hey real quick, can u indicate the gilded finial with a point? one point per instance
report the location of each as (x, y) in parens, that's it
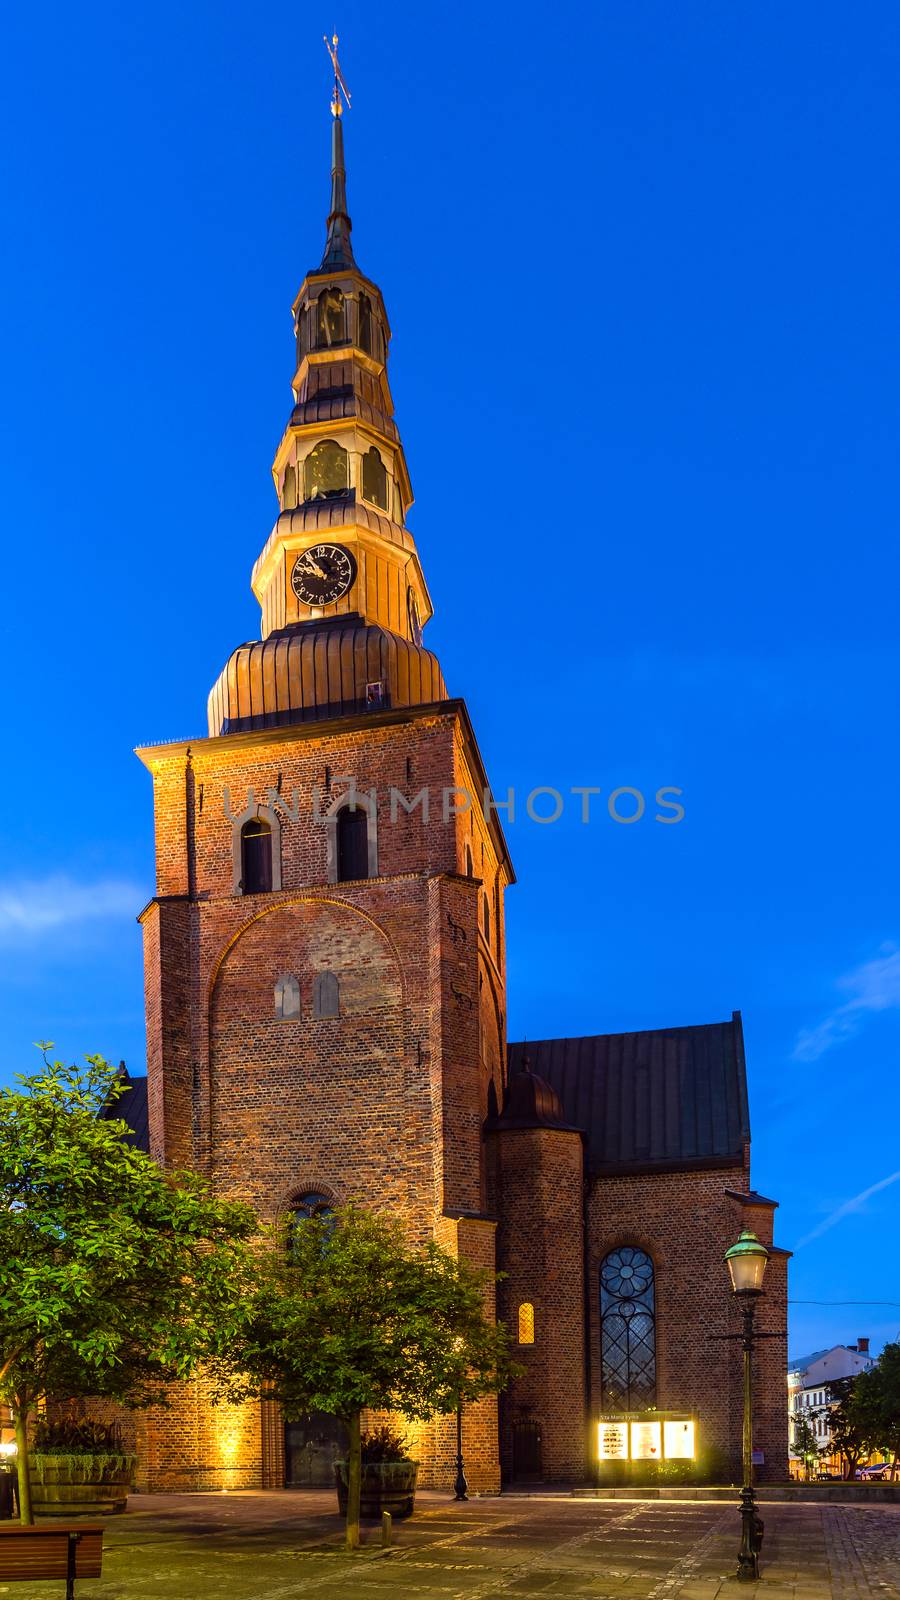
(340, 87)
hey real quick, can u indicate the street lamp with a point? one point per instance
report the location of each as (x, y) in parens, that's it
(746, 1261)
(460, 1487)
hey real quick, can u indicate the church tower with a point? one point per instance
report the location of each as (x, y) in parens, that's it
(324, 954)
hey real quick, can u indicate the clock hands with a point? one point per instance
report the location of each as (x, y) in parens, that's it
(308, 565)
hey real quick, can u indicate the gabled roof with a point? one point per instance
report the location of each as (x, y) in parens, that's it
(664, 1098)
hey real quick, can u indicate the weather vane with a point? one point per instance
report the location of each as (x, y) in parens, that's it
(340, 87)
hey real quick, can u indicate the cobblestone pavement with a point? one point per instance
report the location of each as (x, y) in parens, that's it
(277, 1546)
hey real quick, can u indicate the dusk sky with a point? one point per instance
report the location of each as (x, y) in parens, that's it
(641, 262)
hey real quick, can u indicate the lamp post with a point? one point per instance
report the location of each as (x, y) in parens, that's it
(746, 1262)
(460, 1487)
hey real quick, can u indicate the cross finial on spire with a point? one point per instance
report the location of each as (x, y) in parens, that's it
(340, 87)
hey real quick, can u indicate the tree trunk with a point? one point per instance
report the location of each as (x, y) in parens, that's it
(353, 1482)
(20, 1417)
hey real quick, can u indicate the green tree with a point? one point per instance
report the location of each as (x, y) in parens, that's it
(115, 1275)
(805, 1444)
(349, 1315)
(853, 1421)
(876, 1399)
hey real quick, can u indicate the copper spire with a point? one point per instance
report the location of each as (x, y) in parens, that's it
(338, 249)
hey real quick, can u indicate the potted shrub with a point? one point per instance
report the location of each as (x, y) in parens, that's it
(388, 1480)
(78, 1468)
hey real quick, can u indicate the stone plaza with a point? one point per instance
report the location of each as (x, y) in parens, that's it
(281, 1545)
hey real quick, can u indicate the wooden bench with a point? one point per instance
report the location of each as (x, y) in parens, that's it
(67, 1550)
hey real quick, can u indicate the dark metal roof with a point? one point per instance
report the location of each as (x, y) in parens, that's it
(668, 1097)
(131, 1107)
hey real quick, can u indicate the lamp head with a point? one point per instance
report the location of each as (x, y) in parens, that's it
(746, 1262)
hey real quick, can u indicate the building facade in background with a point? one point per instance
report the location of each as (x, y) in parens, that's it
(810, 1395)
(326, 1000)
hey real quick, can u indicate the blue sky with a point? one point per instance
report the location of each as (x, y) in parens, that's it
(641, 264)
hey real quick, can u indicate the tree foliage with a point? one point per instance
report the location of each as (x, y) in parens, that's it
(116, 1277)
(805, 1443)
(349, 1315)
(876, 1403)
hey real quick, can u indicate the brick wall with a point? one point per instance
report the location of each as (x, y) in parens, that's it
(536, 1176)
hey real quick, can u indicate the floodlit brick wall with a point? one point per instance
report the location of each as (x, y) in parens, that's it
(685, 1221)
(537, 1183)
(382, 1104)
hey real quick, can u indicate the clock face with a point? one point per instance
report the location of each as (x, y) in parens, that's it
(323, 574)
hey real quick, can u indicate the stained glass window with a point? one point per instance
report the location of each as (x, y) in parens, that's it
(627, 1330)
(312, 1204)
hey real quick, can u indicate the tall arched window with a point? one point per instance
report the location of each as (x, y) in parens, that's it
(469, 863)
(326, 995)
(289, 492)
(375, 479)
(330, 318)
(627, 1330)
(326, 471)
(365, 324)
(526, 1323)
(256, 856)
(486, 918)
(352, 844)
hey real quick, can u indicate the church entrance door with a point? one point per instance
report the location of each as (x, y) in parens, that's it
(311, 1447)
(526, 1455)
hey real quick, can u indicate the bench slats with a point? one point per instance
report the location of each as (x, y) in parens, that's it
(43, 1551)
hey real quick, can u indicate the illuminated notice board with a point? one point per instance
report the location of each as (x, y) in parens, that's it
(667, 1438)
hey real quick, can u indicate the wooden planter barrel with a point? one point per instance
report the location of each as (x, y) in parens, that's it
(384, 1486)
(79, 1485)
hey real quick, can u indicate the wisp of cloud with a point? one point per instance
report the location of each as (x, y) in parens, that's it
(875, 986)
(32, 907)
(848, 1207)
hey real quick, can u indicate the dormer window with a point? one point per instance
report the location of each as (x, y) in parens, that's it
(375, 479)
(330, 324)
(326, 471)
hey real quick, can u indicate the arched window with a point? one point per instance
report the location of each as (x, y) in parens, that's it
(326, 995)
(287, 996)
(486, 918)
(330, 318)
(326, 471)
(526, 1323)
(497, 911)
(375, 479)
(469, 863)
(352, 844)
(256, 856)
(627, 1330)
(365, 324)
(398, 504)
(289, 492)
